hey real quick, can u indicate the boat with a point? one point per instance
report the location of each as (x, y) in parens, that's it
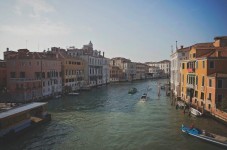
(73, 94)
(143, 97)
(195, 112)
(57, 96)
(21, 118)
(163, 87)
(181, 104)
(202, 134)
(132, 91)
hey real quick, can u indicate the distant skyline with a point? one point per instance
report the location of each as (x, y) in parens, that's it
(140, 30)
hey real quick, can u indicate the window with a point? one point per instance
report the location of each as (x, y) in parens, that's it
(211, 64)
(203, 81)
(209, 97)
(12, 74)
(209, 106)
(196, 80)
(219, 83)
(210, 83)
(22, 74)
(202, 96)
(196, 64)
(193, 55)
(182, 65)
(183, 54)
(203, 64)
(196, 93)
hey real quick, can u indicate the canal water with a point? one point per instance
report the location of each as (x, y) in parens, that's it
(108, 118)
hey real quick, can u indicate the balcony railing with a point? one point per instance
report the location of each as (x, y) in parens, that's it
(190, 86)
(191, 70)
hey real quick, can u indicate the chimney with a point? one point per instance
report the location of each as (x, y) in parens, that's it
(103, 54)
(181, 47)
(7, 49)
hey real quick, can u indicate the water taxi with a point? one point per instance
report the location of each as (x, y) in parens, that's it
(132, 91)
(143, 97)
(18, 119)
(202, 134)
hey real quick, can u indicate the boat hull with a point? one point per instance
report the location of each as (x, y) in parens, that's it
(200, 135)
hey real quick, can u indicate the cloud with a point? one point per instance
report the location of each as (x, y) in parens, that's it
(36, 22)
(36, 29)
(37, 7)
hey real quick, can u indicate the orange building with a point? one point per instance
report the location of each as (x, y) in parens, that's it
(203, 76)
(116, 74)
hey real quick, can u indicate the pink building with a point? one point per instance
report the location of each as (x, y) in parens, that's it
(32, 75)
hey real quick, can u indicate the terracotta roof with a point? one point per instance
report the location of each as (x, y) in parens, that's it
(219, 75)
(201, 45)
(183, 49)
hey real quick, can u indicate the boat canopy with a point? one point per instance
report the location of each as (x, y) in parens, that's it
(20, 109)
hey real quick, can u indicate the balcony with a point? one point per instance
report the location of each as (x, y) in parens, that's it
(191, 86)
(191, 70)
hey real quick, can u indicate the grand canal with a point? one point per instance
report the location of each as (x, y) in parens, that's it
(108, 118)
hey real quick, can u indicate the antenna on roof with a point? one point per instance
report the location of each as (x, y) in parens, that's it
(171, 48)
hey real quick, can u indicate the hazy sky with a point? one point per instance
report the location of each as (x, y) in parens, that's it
(142, 30)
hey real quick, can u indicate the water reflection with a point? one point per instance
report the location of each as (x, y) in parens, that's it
(109, 118)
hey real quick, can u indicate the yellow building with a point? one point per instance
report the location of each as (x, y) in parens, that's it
(72, 70)
(200, 87)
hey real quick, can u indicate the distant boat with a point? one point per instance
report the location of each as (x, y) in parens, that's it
(210, 137)
(163, 87)
(73, 94)
(143, 97)
(195, 112)
(57, 96)
(132, 91)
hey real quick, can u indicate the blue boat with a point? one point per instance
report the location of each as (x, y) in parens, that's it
(202, 134)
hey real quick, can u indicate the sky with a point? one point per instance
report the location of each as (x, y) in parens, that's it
(140, 30)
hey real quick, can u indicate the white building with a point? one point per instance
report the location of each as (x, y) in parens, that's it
(155, 72)
(106, 70)
(96, 66)
(163, 65)
(128, 68)
(175, 77)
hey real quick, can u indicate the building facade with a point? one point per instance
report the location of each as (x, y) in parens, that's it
(163, 65)
(96, 69)
(176, 59)
(128, 68)
(2, 75)
(204, 77)
(32, 76)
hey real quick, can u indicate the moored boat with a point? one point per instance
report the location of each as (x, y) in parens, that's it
(195, 112)
(16, 120)
(73, 94)
(202, 134)
(132, 91)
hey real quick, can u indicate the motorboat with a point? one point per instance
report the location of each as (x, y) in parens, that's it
(202, 134)
(57, 96)
(181, 104)
(132, 91)
(195, 112)
(143, 97)
(73, 94)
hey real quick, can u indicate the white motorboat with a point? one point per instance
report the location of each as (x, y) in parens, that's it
(195, 112)
(143, 97)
